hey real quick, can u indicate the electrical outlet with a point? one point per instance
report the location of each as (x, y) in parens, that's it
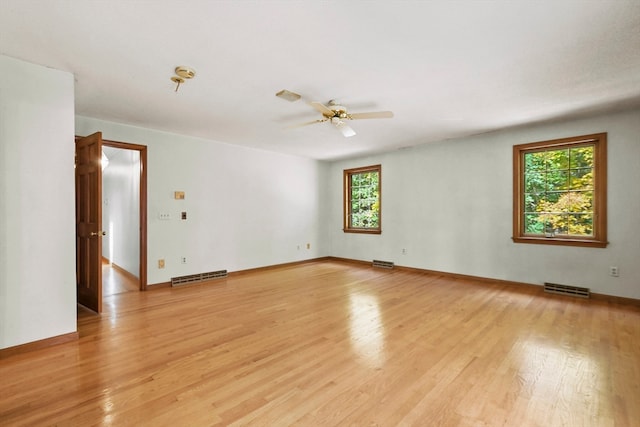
(613, 271)
(183, 259)
(308, 245)
(160, 263)
(404, 251)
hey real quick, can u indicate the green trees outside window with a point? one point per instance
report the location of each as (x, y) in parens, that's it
(362, 200)
(558, 191)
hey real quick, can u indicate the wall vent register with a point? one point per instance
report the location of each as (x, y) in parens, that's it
(197, 278)
(554, 288)
(382, 264)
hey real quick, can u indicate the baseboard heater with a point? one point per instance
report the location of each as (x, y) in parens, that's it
(195, 278)
(382, 264)
(554, 288)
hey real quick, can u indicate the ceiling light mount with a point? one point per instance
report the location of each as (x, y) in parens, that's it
(178, 81)
(288, 95)
(183, 73)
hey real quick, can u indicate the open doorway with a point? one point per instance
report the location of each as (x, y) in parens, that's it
(123, 218)
(90, 235)
(120, 220)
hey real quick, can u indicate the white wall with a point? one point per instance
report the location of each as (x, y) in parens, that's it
(246, 208)
(121, 209)
(37, 214)
(449, 204)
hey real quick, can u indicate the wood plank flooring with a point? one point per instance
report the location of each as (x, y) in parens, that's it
(335, 344)
(115, 281)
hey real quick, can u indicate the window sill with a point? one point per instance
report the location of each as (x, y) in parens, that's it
(589, 243)
(361, 231)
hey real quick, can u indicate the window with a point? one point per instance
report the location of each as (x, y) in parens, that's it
(362, 200)
(559, 191)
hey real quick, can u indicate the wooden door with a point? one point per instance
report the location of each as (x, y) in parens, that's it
(89, 221)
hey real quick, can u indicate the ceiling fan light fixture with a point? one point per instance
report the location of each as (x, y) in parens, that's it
(336, 113)
(346, 130)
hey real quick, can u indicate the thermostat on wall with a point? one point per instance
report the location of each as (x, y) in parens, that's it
(178, 195)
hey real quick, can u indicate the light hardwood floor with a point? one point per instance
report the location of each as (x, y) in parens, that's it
(332, 343)
(115, 281)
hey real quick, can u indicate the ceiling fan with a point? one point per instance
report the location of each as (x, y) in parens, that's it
(338, 114)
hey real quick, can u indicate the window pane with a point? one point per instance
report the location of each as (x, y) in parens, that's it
(363, 199)
(534, 182)
(533, 224)
(530, 202)
(557, 180)
(581, 179)
(557, 159)
(582, 157)
(551, 197)
(580, 224)
(554, 204)
(535, 161)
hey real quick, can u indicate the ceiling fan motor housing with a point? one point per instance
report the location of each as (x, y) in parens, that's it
(338, 110)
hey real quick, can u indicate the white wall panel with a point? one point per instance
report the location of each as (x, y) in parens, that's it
(37, 214)
(246, 208)
(450, 205)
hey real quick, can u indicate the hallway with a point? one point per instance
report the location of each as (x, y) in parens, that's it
(117, 281)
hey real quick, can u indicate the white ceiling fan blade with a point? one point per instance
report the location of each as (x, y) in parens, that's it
(372, 115)
(326, 111)
(343, 127)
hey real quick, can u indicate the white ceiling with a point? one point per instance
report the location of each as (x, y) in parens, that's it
(445, 68)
